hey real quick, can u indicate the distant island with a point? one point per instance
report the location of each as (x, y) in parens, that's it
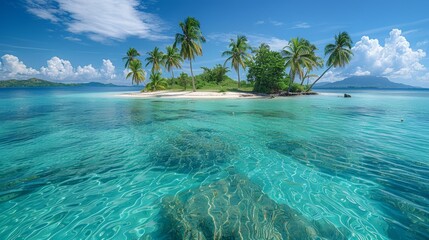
(35, 82)
(363, 82)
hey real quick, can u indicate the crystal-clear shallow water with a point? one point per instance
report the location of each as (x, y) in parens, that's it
(79, 164)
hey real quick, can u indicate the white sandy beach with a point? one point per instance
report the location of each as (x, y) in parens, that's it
(193, 95)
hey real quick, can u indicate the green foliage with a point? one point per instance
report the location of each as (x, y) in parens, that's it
(172, 59)
(299, 56)
(217, 74)
(156, 58)
(156, 82)
(132, 54)
(190, 41)
(136, 73)
(238, 54)
(266, 70)
(184, 80)
(296, 87)
(340, 53)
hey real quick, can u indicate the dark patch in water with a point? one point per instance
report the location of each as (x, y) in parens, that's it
(269, 114)
(236, 208)
(18, 136)
(361, 111)
(193, 151)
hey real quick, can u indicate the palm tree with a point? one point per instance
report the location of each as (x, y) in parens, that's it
(316, 63)
(136, 73)
(156, 82)
(172, 59)
(132, 54)
(190, 40)
(297, 55)
(340, 53)
(156, 58)
(238, 54)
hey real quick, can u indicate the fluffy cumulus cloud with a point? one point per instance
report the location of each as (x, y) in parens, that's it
(12, 67)
(87, 72)
(108, 69)
(395, 59)
(100, 20)
(56, 69)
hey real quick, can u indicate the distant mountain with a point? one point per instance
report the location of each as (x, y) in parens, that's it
(363, 82)
(98, 84)
(35, 82)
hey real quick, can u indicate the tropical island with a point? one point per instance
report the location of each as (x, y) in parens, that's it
(268, 72)
(35, 82)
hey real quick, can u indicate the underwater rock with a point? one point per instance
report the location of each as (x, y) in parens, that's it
(236, 208)
(193, 151)
(330, 156)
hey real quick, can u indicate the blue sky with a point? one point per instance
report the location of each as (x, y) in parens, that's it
(84, 40)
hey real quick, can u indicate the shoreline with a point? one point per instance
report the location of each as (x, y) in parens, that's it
(207, 95)
(194, 95)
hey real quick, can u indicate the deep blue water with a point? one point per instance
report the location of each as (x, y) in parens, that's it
(84, 163)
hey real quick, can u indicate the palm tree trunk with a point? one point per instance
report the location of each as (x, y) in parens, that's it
(238, 73)
(292, 77)
(192, 74)
(172, 74)
(302, 80)
(308, 90)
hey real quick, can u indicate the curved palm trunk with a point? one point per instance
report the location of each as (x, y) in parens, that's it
(238, 73)
(308, 90)
(305, 76)
(193, 79)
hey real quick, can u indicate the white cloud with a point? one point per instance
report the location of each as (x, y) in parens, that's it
(272, 22)
(73, 39)
(12, 67)
(87, 72)
(100, 20)
(276, 44)
(108, 69)
(301, 25)
(331, 76)
(395, 59)
(360, 72)
(276, 23)
(57, 69)
(422, 43)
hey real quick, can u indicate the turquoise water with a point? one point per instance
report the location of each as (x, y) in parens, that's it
(78, 164)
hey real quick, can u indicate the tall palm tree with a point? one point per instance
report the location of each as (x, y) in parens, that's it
(340, 53)
(156, 58)
(136, 73)
(132, 54)
(156, 82)
(190, 41)
(316, 63)
(172, 59)
(237, 54)
(297, 55)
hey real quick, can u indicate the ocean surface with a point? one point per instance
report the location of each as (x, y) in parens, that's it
(82, 163)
